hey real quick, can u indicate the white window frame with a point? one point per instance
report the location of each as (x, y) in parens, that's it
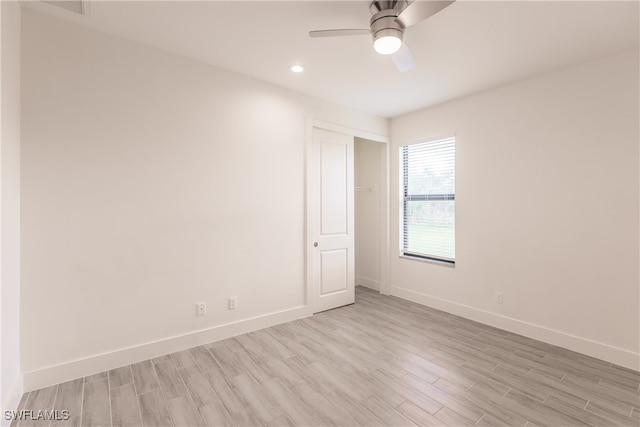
(405, 198)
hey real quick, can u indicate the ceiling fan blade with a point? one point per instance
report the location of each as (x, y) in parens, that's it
(420, 10)
(403, 59)
(338, 33)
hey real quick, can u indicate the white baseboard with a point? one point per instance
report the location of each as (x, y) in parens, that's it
(12, 399)
(368, 283)
(599, 350)
(98, 363)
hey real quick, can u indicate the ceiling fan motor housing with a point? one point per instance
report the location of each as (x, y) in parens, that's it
(385, 23)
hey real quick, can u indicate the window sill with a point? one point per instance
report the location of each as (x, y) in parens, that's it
(429, 261)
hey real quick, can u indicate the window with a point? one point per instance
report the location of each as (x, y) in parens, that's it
(428, 205)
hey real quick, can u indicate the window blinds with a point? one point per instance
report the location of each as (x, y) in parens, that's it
(428, 182)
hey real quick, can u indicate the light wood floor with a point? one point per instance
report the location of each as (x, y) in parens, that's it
(382, 361)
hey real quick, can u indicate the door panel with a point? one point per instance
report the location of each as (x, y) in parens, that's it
(333, 192)
(333, 271)
(331, 220)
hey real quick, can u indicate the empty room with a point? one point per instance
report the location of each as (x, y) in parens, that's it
(320, 213)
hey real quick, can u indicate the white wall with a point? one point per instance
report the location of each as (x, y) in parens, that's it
(150, 183)
(368, 181)
(547, 210)
(11, 379)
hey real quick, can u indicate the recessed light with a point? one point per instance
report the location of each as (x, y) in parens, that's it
(296, 68)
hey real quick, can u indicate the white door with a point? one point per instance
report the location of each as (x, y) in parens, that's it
(330, 220)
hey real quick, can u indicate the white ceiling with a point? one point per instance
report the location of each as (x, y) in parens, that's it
(469, 47)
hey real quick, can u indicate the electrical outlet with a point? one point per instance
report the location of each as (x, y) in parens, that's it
(201, 309)
(233, 303)
(499, 299)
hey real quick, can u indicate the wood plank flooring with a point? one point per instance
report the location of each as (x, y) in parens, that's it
(381, 361)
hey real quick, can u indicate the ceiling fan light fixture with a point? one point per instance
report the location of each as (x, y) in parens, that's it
(387, 32)
(387, 45)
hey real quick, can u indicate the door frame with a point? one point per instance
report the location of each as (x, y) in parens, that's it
(385, 287)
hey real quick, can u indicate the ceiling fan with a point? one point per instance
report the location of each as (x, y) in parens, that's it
(388, 23)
